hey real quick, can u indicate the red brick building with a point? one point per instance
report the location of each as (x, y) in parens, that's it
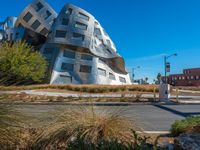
(190, 77)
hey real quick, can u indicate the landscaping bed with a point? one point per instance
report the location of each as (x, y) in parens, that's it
(86, 88)
(27, 98)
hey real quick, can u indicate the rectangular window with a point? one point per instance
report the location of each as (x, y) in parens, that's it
(121, 79)
(81, 26)
(27, 17)
(66, 79)
(48, 14)
(67, 67)
(36, 24)
(112, 76)
(78, 36)
(197, 77)
(83, 16)
(16, 35)
(69, 54)
(44, 31)
(97, 31)
(108, 42)
(86, 57)
(61, 34)
(85, 69)
(102, 72)
(39, 6)
(65, 21)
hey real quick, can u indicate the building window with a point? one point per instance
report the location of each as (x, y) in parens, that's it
(191, 77)
(36, 24)
(27, 17)
(183, 78)
(44, 31)
(68, 11)
(65, 21)
(188, 77)
(112, 76)
(69, 54)
(97, 31)
(197, 77)
(67, 67)
(81, 26)
(66, 79)
(83, 16)
(85, 69)
(78, 36)
(96, 23)
(102, 72)
(39, 6)
(102, 61)
(108, 51)
(48, 51)
(16, 35)
(121, 79)
(108, 42)
(86, 57)
(179, 78)
(61, 34)
(48, 14)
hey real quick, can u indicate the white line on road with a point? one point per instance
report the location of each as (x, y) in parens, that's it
(154, 132)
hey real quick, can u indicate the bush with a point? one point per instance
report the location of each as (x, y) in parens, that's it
(86, 127)
(181, 126)
(20, 64)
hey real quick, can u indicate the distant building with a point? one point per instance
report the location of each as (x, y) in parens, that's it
(190, 77)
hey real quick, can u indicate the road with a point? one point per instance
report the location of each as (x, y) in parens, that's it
(151, 118)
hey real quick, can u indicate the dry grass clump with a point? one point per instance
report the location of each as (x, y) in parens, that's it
(88, 124)
(10, 126)
(87, 88)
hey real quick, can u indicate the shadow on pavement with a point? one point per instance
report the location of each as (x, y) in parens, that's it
(182, 114)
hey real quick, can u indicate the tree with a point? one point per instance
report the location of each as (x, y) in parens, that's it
(159, 76)
(146, 80)
(19, 63)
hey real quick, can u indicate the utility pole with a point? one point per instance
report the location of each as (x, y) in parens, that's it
(167, 65)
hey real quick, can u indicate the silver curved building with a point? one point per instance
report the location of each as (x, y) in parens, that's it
(77, 47)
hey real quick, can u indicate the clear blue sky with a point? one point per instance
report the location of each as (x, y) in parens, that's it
(143, 30)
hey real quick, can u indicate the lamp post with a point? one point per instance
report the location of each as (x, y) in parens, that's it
(133, 72)
(165, 63)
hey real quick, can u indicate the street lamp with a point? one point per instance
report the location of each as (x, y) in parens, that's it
(133, 72)
(165, 63)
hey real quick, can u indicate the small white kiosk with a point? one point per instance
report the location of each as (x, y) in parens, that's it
(164, 92)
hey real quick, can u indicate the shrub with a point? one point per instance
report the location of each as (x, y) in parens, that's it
(181, 126)
(19, 63)
(88, 125)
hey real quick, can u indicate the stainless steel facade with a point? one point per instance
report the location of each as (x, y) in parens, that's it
(78, 49)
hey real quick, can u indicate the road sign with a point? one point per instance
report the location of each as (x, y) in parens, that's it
(168, 67)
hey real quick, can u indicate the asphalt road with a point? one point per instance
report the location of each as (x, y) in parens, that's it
(153, 118)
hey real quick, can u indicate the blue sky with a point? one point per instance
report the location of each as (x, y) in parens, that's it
(143, 30)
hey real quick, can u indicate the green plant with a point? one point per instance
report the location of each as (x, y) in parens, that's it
(20, 64)
(181, 126)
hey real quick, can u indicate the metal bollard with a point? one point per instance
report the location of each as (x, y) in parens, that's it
(177, 93)
(154, 94)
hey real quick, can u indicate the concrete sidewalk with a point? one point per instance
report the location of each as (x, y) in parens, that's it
(181, 99)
